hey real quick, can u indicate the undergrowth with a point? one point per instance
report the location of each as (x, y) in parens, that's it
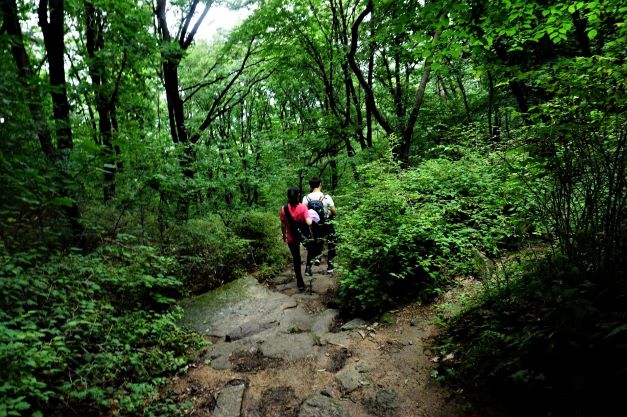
(407, 232)
(87, 334)
(551, 342)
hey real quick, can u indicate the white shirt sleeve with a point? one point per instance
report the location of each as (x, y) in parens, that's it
(328, 201)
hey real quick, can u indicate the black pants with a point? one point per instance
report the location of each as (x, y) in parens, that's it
(322, 234)
(295, 249)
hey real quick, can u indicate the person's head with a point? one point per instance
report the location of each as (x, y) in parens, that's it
(315, 182)
(293, 196)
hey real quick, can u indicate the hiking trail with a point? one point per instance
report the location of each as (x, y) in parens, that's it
(278, 352)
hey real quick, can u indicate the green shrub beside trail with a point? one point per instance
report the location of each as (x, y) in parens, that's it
(402, 232)
(214, 249)
(98, 332)
(88, 332)
(554, 334)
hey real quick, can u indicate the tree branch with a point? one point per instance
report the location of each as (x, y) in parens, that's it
(370, 102)
(191, 35)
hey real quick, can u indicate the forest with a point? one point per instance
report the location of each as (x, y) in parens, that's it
(142, 164)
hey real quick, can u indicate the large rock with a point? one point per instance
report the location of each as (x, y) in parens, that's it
(296, 320)
(229, 400)
(386, 403)
(324, 322)
(291, 346)
(338, 339)
(238, 309)
(350, 379)
(354, 324)
(319, 405)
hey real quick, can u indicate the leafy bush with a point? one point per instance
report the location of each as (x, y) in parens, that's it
(208, 252)
(406, 231)
(87, 333)
(212, 251)
(266, 251)
(546, 338)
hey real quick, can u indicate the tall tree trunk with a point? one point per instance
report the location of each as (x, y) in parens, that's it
(171, 56)
(51, 21)
(464, 97)
(490, 101)
(369, 80)
(405, 130)
(371, 104)
(493, 127)
(408, 131)
(52, 26)
(11, 25)
(95, 43)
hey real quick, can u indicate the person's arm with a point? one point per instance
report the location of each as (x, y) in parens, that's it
(283, 226)
(332, 211)
(308, 220)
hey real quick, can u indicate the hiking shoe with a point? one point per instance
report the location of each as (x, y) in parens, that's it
(330, 268)
(301, 288)
(317, 261)
(308, 271)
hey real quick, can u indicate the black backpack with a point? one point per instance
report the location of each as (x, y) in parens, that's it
(317, 206)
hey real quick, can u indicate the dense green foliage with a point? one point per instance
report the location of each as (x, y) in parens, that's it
(551, 333)
(140, 164)
(408, 231)
(88, 331)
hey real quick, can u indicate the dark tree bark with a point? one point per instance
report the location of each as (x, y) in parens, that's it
(408, 131)
(171, 60)
(581, 24)
(403, 129)
(369, 80)
(368, 91)
(11, 24)
(51, 22)
(493, 127)
(172, 53)
(104, 103)
(460, 84)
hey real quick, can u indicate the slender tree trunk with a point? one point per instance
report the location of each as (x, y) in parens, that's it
(370, 100)
(175, 103)
(370, 76)
(52, 26)
(580, 23)
(408, 131)
(33, 95)
(490, 101)
(464, 97)
(51, 21)
(95, 44)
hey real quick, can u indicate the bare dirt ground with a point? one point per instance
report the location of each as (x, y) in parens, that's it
(356, 369)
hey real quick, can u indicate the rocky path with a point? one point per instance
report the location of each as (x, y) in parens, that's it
(278, 352)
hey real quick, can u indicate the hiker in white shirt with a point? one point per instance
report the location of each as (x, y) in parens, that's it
(324, 231)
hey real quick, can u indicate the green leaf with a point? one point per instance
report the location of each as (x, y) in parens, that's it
(62, 201)
(617, 330)
(592, 34)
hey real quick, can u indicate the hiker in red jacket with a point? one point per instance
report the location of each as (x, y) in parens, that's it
(295, 225)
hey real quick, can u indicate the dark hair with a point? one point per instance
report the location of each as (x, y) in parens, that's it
(293, 196)
(315, 182)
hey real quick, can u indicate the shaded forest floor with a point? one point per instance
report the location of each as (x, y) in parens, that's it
(277, 352)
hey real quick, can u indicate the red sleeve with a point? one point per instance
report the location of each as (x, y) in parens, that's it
(303, 212)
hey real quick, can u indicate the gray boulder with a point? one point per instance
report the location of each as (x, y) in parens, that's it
(319, 405)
